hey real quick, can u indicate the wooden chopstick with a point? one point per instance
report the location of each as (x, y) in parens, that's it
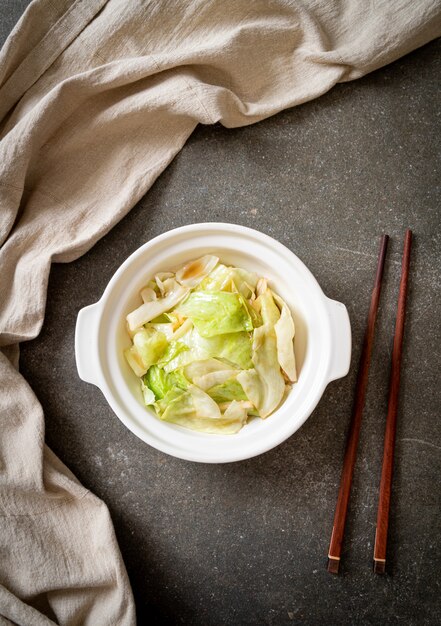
(355, 424)
(391, 420)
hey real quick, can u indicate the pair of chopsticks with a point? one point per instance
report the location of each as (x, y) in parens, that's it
(335, 546)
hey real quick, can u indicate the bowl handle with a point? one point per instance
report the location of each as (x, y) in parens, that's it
(86, 344)
(341, 339)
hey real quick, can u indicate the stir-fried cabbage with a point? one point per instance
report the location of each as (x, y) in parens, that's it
(264, 385)
(216, 312)
(212, 346)
(151, 309)
(194, 272)
(285, 331)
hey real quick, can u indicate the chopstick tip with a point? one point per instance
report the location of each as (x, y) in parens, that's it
(379, 567)
(333, 565)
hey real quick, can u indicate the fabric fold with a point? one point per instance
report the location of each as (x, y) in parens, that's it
(43, 54)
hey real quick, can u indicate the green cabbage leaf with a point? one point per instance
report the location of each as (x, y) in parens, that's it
(216, 313)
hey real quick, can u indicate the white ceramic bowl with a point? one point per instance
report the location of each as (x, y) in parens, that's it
(322, 342)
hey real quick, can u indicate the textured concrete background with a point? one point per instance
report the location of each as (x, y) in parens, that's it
(246, 543)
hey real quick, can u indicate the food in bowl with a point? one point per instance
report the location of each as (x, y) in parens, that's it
(212, 345)
(322, 339)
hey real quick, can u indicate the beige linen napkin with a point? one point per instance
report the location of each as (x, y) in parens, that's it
(96, 98)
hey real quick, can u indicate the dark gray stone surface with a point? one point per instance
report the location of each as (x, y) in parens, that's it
(246, 543)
